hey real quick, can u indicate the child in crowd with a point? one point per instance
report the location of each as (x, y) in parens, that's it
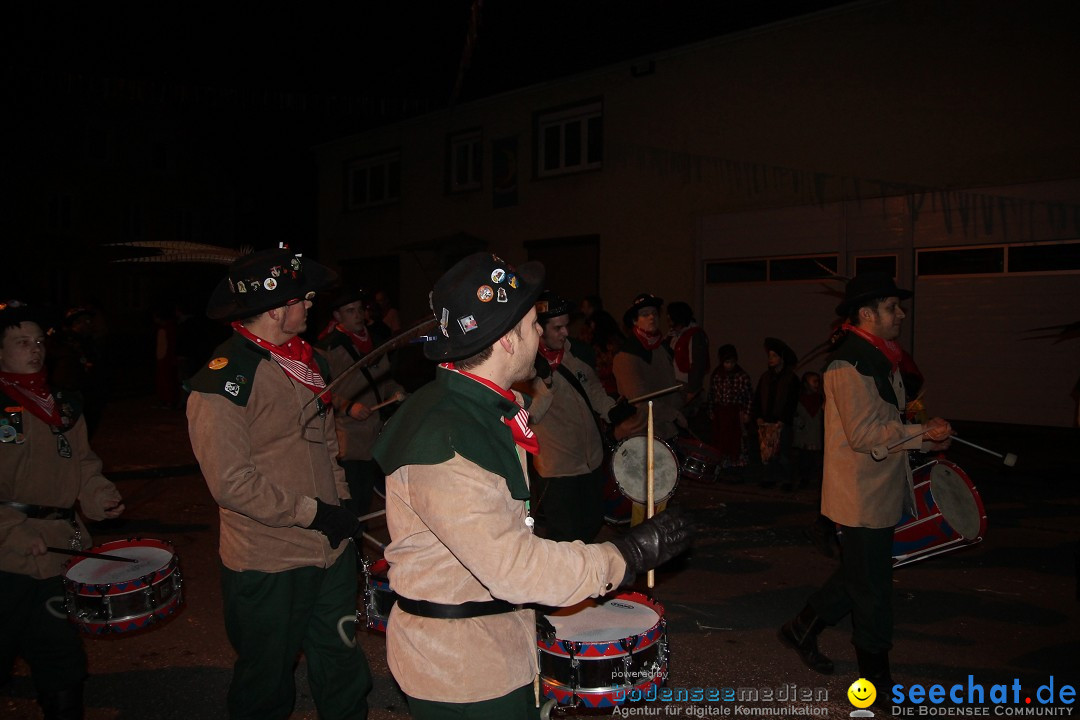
(729, 401)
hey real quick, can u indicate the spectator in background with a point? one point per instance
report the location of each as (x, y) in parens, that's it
(689, 347)
(387, 312)
(75, 364)
(166, 383)
(729, 402)
(775, 399)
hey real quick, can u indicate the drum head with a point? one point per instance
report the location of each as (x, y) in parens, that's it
(618, 618)
(93, 571)
(629, 465)
(955, 499)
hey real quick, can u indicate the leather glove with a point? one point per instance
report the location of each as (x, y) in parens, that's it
(621, 411)
(654, 542)
(543, 367)
(335, 522)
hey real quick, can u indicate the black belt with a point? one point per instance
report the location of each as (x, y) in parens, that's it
(471, 609)
(38, 512)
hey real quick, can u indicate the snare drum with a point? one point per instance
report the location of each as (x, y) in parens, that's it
(379, 599)
(950, 514)
(600, 652)
(699, 461)
(106, 596)
(629, 467)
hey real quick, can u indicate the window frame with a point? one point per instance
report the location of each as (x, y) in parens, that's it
(474, 140)
(369, 164)
(559, 118)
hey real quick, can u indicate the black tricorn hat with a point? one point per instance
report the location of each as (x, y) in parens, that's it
(478, 301)
(264, 280)
(869, 286)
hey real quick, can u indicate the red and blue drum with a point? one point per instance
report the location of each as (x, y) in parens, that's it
(950, 514)
(698, 461)
(595, 653)
(106, 596)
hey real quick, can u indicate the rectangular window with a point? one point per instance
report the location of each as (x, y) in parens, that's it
(778, 269)
(465, 161)
(570, 140)
(372, 181)
(961, 261)
(1049, 257)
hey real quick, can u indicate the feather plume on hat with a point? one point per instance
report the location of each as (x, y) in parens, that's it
(182, 251)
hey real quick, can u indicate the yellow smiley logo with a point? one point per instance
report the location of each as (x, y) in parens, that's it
(862, 693)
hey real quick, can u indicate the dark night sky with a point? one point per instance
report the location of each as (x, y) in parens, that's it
(351, 62)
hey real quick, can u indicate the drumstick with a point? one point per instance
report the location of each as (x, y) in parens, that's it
(658, 393)
(651, 578)
(879, 452)
(398, 397)
(1008, 458)
(84, 553)
(375, 514)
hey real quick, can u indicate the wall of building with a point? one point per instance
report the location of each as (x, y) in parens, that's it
(899, 99)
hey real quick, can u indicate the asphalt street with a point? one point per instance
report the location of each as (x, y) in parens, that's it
(1000, 612)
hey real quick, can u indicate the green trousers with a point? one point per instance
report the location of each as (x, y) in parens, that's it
(271, 617)
(862, 586)
(49, 644)
(517, 705)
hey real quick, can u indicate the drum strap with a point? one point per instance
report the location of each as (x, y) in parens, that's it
(37, 512)
(470, 609)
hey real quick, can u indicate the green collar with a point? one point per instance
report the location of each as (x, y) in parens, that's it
(454, 414)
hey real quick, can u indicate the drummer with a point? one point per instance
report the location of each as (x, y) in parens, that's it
(864, 401)
(462, 553)
(262, 427)
(46, 464)
(566, 402)
(643, 366)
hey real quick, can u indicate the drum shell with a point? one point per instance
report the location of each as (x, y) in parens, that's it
(126, 605)
(931, 531)
(379, 599)
(699, 461)
(601, 673)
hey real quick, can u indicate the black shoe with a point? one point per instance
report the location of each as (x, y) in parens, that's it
(800, 634)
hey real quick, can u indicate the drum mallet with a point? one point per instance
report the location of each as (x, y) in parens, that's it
(880, 452)
(1008, 458)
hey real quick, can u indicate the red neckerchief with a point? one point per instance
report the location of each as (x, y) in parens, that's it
(554, 357)
(296, 358)
(812, 402)
(651, 341)
(888, 348)
(361, 340)
(519, 425)
(32, 389)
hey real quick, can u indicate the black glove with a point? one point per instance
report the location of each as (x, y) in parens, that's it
(543, 367)
(335, 522)
(621, 411)
(654, 542)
